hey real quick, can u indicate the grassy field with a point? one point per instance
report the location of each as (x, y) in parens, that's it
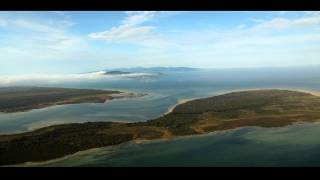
(15, 99)
(264, 108)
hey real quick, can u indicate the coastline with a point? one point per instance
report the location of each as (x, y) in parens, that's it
(313, 92)
(79, 153)
(143, 141)
(139, 142)
(182, 101)
(114, 96)
(84, 152)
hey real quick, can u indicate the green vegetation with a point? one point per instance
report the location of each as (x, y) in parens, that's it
(177, 124)
(57, 141)
(265, 108)
(15, 99)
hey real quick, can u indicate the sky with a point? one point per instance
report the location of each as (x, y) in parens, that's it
(71, 42)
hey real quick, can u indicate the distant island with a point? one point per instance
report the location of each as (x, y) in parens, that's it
(126, 74)
(263, 108)
(141, 72)
(158, 69)
(16, 99)
(117, 72)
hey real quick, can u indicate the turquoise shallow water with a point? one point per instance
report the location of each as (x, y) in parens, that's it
(296, 145)
(163, 92)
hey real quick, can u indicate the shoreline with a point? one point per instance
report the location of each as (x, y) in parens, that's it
(114, 96)
(143, 141)
(139, 142)
(79, 153)
(182, 101)
(313, 92)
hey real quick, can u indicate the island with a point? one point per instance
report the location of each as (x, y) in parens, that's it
(263, 108)
(126, 74)
(117, 73)
(17, 99)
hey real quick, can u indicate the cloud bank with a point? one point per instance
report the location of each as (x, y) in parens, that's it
(63, 42)
(33, 79)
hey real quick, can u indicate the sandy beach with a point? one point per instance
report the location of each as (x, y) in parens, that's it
(178, 103)
(182, 101)
(141, 141)
(313, 92)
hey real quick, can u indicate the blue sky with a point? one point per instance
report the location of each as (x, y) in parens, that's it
(70, 42)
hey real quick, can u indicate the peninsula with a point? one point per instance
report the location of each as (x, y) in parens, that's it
(16, 99)
(263, 108)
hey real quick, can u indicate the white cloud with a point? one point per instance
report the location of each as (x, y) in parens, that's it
(35, 79)
(310, 20)
(124, 33)
(266, 43)
(45, 78)
(130, 28)
(133, 31)
(283, 39)
(21, 23)
(135, 18)
(33, 26)
(3, 22)
(274, 42)
(30, 39)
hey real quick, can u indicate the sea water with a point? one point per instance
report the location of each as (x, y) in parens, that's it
(164, 92)
(296, 145)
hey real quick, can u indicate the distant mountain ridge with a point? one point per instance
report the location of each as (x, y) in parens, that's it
(124, 74)
(138, 72)
(156, 69)
(117, 72)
